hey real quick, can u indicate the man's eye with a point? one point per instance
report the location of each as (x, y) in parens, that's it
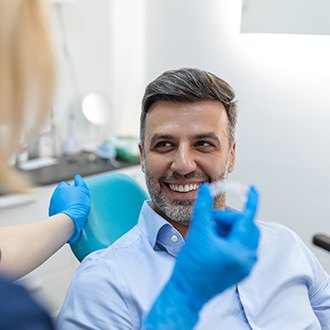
(204, 144)
(163, 145)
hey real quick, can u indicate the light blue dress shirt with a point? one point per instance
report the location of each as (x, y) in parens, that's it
(115, 287)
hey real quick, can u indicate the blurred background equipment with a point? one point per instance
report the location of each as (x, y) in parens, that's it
(322, 241)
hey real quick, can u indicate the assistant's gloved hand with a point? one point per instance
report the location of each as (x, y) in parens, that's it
(220, 251)
(212, 263)
(74, 201)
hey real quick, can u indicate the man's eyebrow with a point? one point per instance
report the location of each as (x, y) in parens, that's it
(208, 135)
(158, 136)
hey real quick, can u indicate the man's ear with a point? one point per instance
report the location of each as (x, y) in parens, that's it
(142, 161)
(232, 158)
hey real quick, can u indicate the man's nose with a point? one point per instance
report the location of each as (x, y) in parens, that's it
(183, 161)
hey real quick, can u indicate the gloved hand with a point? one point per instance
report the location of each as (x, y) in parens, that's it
(220, 251)
(74, 201)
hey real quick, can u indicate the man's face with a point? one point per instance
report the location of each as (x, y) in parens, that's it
(185, 145)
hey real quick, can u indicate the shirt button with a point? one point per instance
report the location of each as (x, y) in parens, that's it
(174, 238)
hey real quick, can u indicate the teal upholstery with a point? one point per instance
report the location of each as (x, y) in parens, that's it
(116, 200)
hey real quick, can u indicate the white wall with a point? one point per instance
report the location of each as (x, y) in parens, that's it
(84, 26)
(287, 16)
(127, 71)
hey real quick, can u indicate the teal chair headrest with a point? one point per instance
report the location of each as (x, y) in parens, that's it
(116, 201)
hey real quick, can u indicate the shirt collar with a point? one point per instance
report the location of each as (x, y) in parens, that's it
(161, 235)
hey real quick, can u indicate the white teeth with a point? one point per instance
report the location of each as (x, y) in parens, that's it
(184, 188)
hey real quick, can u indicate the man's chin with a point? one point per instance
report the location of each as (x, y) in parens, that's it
(179, 210)
(179, 213)
(183, 202)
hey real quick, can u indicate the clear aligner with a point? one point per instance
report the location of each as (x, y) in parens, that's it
(223, 186)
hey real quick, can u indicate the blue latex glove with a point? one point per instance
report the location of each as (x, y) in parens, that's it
(220, 251)
(74, 201)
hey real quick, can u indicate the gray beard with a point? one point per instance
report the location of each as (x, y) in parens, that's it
(179, 211)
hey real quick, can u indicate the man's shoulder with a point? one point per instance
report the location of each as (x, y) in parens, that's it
(273, 227)
(103, 264)
(116, 265)
(124, 243)
(273, 231)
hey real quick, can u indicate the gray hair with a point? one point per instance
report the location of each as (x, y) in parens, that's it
(190, 85)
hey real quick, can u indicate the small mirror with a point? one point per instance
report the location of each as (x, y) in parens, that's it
(96, 108)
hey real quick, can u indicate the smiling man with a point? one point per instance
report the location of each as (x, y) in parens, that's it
(182, 148)
(187, 137)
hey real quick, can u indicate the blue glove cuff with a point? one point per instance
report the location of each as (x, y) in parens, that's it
(77, 231)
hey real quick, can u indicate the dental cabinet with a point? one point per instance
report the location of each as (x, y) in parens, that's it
(49, 282)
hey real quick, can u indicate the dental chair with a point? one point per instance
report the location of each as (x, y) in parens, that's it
(322, 241)
(116, 201)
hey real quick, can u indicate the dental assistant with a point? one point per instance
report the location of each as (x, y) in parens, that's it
(27, 69)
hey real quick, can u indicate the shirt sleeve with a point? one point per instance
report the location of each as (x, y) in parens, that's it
(95, 300)
(319, 288)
